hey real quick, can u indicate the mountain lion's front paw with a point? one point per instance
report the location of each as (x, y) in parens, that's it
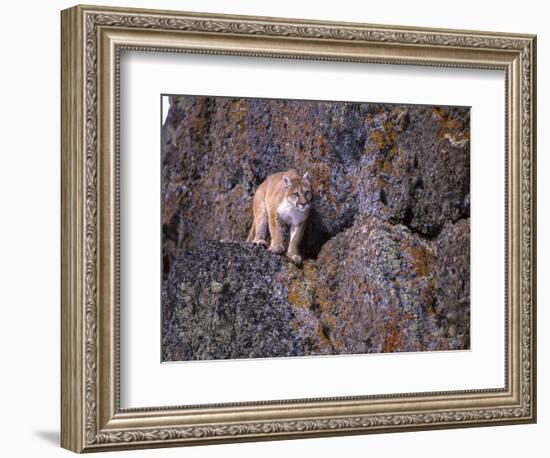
(260, 242)
(277, 249)
(295, 258)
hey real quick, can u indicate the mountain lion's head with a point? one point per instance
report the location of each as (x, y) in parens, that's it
(298, 191)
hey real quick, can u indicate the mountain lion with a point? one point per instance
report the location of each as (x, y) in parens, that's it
(284, 198)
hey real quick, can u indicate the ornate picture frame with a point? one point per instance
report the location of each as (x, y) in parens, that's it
(92, 41)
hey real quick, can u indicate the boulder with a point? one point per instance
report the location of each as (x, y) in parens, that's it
(231, 300)
(376, 289)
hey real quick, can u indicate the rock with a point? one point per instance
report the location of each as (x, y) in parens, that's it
(373, 288)
(376, 290)
(216, 287)
(250, 317)
(386, 249)
(453, 280)
(417, 172)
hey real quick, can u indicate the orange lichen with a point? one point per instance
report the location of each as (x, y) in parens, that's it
(387, 136)
(451, 128)
(379, 139)
(199, 123)
(321, 140)
(421, 259)
(330, 323)
(310, 272)
(391, 132)
(298, 294)
(322, 297)
(395, 338)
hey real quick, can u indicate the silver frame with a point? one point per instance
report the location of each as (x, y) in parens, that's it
(92, 40)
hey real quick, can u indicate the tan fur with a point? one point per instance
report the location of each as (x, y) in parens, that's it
(283, 199)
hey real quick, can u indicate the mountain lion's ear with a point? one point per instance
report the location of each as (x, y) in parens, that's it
(306, 177)
(286, 181)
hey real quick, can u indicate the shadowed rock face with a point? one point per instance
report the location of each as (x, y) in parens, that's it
(387, 243)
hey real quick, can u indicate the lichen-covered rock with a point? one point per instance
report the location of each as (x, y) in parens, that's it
(230, 300)
(416, 170)
(386, 247)
(452, 249)
(373, 288)
(377, 288)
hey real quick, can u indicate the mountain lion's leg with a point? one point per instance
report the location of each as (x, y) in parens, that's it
(260, 227)
(296, 234)
(276, 232)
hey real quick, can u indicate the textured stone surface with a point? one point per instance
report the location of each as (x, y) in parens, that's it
(377, 288)
(453, 274)
(230, 300)
(416, 170)
(387, 243)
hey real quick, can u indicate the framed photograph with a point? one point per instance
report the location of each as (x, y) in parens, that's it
(278, 228)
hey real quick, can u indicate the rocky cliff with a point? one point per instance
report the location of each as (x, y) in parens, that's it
(386, 247)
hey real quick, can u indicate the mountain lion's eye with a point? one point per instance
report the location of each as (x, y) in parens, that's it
(296, 195)
(308, 195)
